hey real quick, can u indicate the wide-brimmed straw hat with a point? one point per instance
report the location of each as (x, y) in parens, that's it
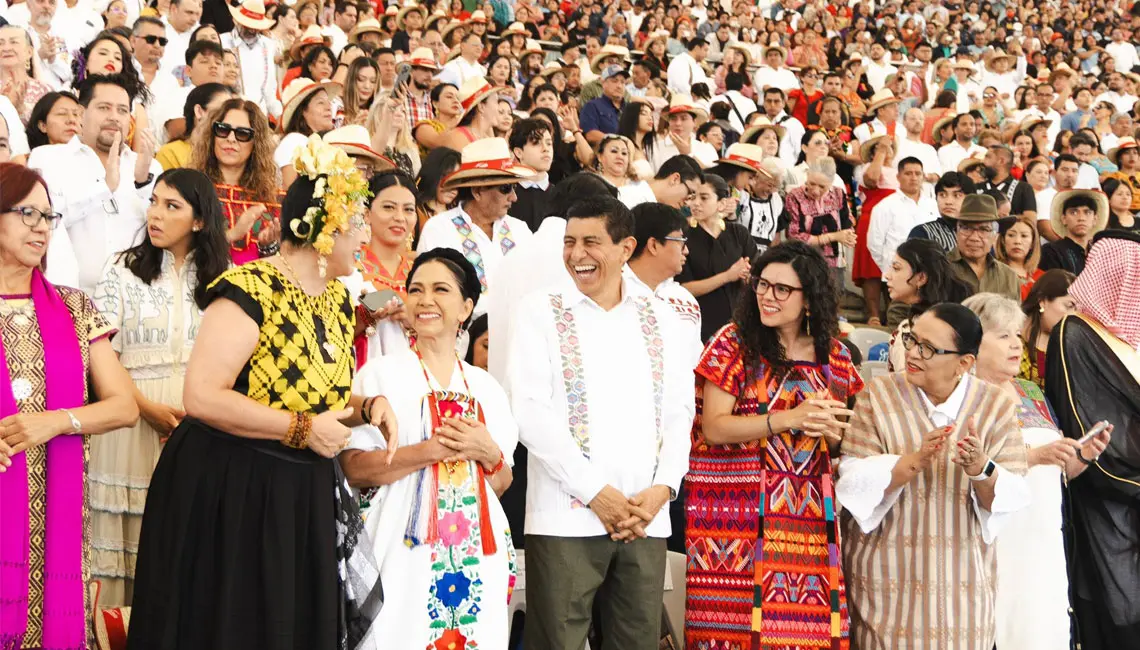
(606, 52)
(478, 16)
(964, 64)
(251, 15)
(434, 19)
(1032, 123)
(882, 97)
(473, 91)
(403, 13)
(446, 30)
(513, 29)
(781, 50)
(994, 55)
(311, 36)
(745, 156)
(366, 26)
(658, 35)
(868, 146)
(682, 103)
(1057, 210)
(762, 123)
(423, 57)
(487, 162)
(532, 47)
(552, 68)
(743, 49)
(970, 162)
(354, 139)
(1124, 144)
(940, 124)
(298, 91)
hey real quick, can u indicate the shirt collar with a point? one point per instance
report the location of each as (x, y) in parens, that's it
(542, 184)
(953, 404)
(631, 288)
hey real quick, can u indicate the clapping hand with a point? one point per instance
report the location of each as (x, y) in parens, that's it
(970, 456)
(933, 445)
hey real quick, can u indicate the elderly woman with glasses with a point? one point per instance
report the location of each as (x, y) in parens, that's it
(932, 464)
(61, 383)
(772, 393)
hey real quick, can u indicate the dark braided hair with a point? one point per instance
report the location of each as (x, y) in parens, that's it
(761, 343)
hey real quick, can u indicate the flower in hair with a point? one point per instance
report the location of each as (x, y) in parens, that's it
(339, 193)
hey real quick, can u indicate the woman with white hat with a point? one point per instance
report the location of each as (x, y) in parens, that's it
(478, 100)
(877, 178)
(308, 110)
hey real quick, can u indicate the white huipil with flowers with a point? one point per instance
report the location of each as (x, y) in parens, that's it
(445, 594)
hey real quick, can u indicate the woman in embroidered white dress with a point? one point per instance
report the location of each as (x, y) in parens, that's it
(440, 535)
(153, 295)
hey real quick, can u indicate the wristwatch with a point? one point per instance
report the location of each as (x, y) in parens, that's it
(987, 471)
(75, 425)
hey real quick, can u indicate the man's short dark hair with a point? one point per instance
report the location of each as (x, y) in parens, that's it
(1078, 201)
(618, 218)
(686, 166)
(203, 46)
(547, 88)
(655, 221)
(954, 180)
(342, 6)
(147, 20)
(1005, 152)
(961, 116)
(703, 130)
(528, 131)
(735, 81)
(87, 86)
(1080, 139)
(695, 42)
(1066, 157)
(201, 96)
(909, 160)
(383, 50)
(772, 90)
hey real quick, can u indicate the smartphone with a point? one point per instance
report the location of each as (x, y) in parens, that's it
(1093, 432)
(377, 300)
(404, 77)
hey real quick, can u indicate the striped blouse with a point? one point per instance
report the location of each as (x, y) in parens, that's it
(919, 563)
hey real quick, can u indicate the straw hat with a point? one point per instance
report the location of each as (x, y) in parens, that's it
(487, 162)
(403, 13)
(478, 16)
(940, 124)
(682, 103)
(514, 28)
(659, 35)
(251, 15)
(298, 91)
(882, 97)
(781, 50)
(446, 30)
(745, 156)
(355, 142)
(423, 57)
(1063, 68)
(392, 10)
(532, 47)
(1028, 125)
(434, 18)
(473, 91)
(866, 148)
(312, 36)
(762, 123)
(606, 52)
(1057, 210)
(964, 64)
(552, 68)
(994, 55)
(1123, 144)
(366, 26)
(743, 49)
(970, 162)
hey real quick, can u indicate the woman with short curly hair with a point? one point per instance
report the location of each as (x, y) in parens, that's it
(772, 386)
(234, 147)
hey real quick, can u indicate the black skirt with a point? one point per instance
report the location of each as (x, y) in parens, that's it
(238, 547)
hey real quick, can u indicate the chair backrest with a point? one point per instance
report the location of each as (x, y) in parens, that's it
(865, 338)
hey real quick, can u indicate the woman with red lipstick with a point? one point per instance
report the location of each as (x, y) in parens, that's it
(106, 55)
(933, 463)
(17, 78)
(234, 148)
(153, 294)
(772, 389)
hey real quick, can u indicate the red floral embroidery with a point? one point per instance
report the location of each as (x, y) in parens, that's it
(451, 640)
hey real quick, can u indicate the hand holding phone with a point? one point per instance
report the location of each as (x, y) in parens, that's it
(378, 300)
(1093, 432)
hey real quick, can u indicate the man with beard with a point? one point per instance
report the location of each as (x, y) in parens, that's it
(999, 162)
(100, 185)
(418, 100)
(962, 147)
(255, 52)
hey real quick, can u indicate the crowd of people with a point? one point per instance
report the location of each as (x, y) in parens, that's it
(343, 325)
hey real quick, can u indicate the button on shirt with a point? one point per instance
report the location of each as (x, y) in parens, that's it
(892, 219)
(99, 222)
(614, 388)
(600, 115)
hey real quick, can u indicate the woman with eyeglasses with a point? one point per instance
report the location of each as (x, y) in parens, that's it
(919, 276)
(234, 149)
(157, 286)
(720, 254)
(934, 463)
(773, 387)
(993, 113)
(60, 382)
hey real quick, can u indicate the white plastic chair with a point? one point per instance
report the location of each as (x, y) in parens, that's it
(871, 369)
(866, 338)
(674, 600)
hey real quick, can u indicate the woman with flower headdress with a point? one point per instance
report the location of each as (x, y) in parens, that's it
(433, 513)
(249, 538)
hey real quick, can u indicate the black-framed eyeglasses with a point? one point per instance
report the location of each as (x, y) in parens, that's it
(779, 290)
(925, 350)
(681, 240)
(241, 133)
(152, 39)
(32, 216)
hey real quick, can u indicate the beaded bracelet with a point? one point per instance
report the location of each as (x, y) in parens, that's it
(497, 468)
(299, 429)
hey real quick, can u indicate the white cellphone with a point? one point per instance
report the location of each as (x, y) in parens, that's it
(1093, 432)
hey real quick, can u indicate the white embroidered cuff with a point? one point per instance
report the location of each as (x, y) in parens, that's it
(1011, 493)
(862, 488)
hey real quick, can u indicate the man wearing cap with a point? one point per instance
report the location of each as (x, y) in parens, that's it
(962, 147)
(256, 53)
(608, 56)
(600, 116)
(773, 74)
(680, 139)
(479, 226)
(418, 100)
(972, 259)
(685, 71)
(466, 65)
(999, 163)
(1076, 216)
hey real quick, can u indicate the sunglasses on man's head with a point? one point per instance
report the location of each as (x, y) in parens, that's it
(152, 39)
(241, 133)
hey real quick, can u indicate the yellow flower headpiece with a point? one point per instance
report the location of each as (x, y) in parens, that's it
(339, 198)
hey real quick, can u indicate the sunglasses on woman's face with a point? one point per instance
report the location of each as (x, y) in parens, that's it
(241, 133)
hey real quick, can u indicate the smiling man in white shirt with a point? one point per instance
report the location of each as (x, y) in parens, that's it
(604, 404)
(100, 185)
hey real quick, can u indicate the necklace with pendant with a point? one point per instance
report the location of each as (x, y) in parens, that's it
(329, 347)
